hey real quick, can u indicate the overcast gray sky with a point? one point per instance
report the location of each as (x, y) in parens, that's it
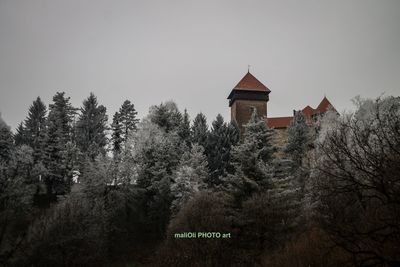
(195, 52)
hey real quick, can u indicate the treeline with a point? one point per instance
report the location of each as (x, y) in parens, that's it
(76, 191)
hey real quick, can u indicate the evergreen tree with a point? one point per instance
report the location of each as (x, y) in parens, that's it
(6, 141)
(199, 130)
(286, 198)
(117, 133)
(218, 150)
(156, 155)
(252, 160)
(190, 177)
(59, 133)
(124, 123)
(91, 128)
(184, 129)
(270, 216)
(256, 147)
(298, 139)
(234, 138)
(35, 128)
(127, 119)
(166, 115)
(234, 132)
(20, 137)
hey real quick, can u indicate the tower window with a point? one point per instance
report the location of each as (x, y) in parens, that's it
(252, 108)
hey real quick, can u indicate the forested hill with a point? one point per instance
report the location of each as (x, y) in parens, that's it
(174, 191)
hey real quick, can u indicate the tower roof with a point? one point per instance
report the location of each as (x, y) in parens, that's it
(324, 105)
(250, 83)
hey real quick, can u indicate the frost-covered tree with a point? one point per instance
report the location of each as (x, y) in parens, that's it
(234, 132)
(256, 148)
(189, 177)
(357, 184)
(286, 197)
(156, 155)
(252, 160)
(298, 139)
(91, 128)
(156, 152)
(199, 130)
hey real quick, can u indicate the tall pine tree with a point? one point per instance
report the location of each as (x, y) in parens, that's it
(127, 118)
(91, 128)
(116, 137)
(234, 132)
(124, 123)
(199, 130)
(156, 155)
(252, 160)
(189, 177)
(59, 138)
(298, 139)
(35, 129)
(286, 197)
(218, 150)
(184, 129)
(234, 137)
(20, 137)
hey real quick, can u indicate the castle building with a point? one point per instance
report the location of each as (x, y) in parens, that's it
(250, 94)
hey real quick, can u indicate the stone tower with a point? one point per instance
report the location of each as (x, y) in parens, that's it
(247, 95)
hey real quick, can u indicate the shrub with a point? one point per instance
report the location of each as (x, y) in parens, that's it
(206, 212)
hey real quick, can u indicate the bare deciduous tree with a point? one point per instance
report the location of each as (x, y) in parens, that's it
(358, 182)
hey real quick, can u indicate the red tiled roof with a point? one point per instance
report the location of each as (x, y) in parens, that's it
(324, 106)
(250, 83)
(308, 111)
(279, 122)
(284, 122)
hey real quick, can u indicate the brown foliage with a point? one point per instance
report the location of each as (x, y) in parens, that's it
(312, 248)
